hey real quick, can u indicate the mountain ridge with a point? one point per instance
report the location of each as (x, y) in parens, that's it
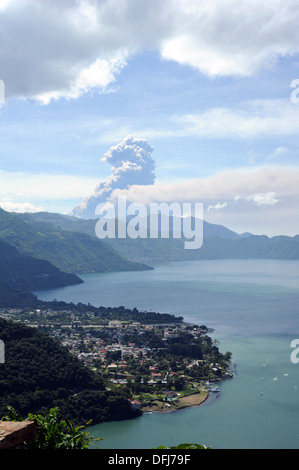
(71, 252)
(219, 242)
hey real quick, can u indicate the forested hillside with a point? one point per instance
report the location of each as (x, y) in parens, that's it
(69, 251)
(39, 374)
(27, 273)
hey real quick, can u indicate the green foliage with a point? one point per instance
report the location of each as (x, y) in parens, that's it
(53, 433)
(113, 356)
(12, 415)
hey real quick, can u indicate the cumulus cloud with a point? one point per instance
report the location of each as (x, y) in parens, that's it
(98, 76)
(132, 164)
(228, 37)
(66, 49)
(20, 207)
(72, 47)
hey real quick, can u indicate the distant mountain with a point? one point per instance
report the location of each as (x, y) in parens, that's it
(87, 226)
(219, 242)
(214, 247)
(70, 251)
(26, 273)
(139, 250)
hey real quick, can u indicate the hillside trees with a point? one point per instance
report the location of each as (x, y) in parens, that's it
(39, 374)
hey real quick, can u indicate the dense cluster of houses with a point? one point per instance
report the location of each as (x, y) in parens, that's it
(108, 352)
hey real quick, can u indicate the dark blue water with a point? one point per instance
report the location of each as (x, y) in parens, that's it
(253, 306)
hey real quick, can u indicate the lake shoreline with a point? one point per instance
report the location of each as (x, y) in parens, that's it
(189, 401)
(253, 308)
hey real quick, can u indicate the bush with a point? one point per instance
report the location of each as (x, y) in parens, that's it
(53, 433)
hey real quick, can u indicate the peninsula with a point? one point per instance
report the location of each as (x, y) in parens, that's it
(156, 361)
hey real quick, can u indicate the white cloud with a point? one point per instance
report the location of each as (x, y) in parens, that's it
(264, 199)
(98, 76)
(5, 3)
(66, 49)
(278, 153)
(20, 207)
(230, 185)
(261, 200)
(55, 49)
(217, 207)
(251, 119)
(228, 37)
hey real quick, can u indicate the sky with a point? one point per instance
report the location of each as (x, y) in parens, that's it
(180, 100)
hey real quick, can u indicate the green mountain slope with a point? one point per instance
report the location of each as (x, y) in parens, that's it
(71, 252)
(11, 297)
(218, 243)
(27, 273)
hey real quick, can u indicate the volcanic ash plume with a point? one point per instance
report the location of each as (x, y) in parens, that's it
(132, 164)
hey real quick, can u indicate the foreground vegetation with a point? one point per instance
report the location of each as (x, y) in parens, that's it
(52, 432)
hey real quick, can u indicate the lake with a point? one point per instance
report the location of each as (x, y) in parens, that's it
(253, 305)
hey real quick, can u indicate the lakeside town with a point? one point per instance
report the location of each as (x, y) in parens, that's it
(165, 366)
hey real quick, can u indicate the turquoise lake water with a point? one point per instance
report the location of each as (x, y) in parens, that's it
(253, 305)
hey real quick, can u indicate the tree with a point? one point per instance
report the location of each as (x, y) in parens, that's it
(179, 383)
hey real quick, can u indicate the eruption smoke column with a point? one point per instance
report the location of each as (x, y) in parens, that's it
(132, 164)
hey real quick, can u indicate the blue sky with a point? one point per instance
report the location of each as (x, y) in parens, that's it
(206, 84)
